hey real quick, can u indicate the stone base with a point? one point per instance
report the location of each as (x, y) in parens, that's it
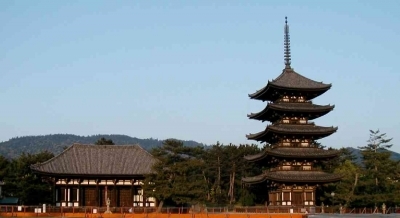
(107, 211)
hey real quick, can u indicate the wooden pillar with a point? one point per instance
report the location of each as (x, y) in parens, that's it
(132, 191)
(313, 196)
(66, 193)
(54, 190)
(98, 202)
(80, 198)
(144, 197)
(115, 193)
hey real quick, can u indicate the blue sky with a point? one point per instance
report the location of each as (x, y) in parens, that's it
(183, 69)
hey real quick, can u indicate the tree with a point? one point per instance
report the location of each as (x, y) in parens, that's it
(345, 189)
(178, 175)
(22, 183)
(4, 163)
(377, 181)
(375, 151)
(224, 170)
(104, 141)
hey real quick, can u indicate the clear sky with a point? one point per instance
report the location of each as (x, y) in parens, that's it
(184, 69)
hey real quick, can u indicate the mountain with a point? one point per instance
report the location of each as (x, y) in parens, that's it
(357, 152)
(57, 142)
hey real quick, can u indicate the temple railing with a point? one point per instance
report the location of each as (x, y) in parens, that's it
(293, 168)
(6, 211)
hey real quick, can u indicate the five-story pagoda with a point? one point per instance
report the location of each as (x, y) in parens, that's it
(292, 154)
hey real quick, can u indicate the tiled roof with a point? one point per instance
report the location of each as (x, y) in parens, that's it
(100, 160)
(291, 80)
(294, 176)
(307, 107)
(300, 128)
(292, 129)
(293, 152)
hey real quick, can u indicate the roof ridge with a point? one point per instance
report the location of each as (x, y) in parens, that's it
(99, 146)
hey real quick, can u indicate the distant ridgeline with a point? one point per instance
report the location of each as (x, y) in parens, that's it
(357, 153)
(57, 142)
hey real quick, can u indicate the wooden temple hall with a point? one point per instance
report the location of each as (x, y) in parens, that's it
(88, 175)
(292, 153)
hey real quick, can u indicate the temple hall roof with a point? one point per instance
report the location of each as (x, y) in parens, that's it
(292, 129)
(292, 152)
(307, 108)
(290, 80)
(293, 177)
(98, 160)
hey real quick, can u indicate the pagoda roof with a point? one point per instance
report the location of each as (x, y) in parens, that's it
(304, 107)
(293, 152)
(98, 160)
(291, 176)
(292, 129)
(290, 80)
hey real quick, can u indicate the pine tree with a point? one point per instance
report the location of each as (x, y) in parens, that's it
(377, 181)
(104, 141)
(178, 177)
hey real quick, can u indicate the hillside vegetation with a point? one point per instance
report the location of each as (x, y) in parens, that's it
(57, 142)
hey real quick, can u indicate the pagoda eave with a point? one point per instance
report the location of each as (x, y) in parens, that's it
(271, 91)
(254, 180)
(286, 130)
(256, 157)
(273, 111)
(306, 153)
(290, 152)
(293, 177)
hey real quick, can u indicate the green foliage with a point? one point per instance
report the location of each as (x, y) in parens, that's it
(247, 198)
(187, 176)
(371, 182)
(4, 163)
(104, 141)
(22, 183)
(178, 174)
(345, 189)
(377, 184)
(225, 168)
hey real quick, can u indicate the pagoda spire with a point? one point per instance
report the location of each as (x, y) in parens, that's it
(287, 46)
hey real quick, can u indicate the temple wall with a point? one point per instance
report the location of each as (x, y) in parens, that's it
(91, 192)
(293, 196)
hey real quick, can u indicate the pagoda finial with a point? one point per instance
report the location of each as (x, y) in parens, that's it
(287, 46)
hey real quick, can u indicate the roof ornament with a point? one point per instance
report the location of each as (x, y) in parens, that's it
(287, 46)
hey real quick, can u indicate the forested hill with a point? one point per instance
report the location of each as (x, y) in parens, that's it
(357, 153)
(57, 142)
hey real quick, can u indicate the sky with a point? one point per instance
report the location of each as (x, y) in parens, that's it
(184, 69)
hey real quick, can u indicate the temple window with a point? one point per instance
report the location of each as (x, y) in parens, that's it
(63, 194)
(304, 144)
(285, 99)
(74, 195)
(286, 196)
(309, 196)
